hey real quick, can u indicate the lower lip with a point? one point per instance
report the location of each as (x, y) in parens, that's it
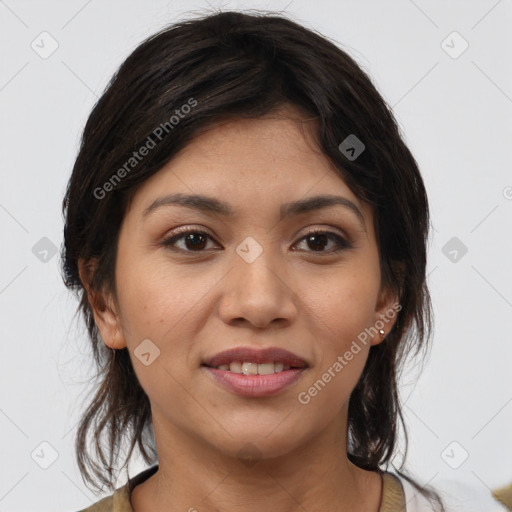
(255, 385)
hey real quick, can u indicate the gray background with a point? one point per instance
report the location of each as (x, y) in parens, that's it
(455, 111)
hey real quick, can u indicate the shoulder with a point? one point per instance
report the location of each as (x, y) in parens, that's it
(119, 501)
(393, 497)
(104, 505)
(457, 496)
(504, 495)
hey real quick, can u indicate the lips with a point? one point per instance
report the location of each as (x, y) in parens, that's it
(256, 356)
(250, 372)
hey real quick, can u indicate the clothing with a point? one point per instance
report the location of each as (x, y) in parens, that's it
(398, 495)
(457, 496)
(504, 495)
(393, 498)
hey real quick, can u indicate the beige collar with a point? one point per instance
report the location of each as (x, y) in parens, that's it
(393, 499)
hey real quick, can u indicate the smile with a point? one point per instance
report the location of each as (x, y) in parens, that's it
(248, 368)
(247, 380)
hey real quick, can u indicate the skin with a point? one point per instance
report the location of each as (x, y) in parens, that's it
(193, 304)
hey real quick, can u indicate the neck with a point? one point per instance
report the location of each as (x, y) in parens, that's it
(195, 476)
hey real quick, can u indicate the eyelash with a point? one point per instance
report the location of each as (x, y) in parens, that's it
(341, 243)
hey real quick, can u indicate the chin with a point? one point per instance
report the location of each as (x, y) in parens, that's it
(250, 443)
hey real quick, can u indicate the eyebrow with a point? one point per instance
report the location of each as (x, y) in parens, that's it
(212, 205)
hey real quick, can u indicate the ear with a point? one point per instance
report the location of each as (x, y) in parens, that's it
(387, 308)
(103, 307)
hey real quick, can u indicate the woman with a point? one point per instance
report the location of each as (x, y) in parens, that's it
(246, 231)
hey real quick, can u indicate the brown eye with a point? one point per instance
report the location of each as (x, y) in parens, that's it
(193, 240)
(318, 240)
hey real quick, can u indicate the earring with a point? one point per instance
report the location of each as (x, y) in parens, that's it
(382, 332)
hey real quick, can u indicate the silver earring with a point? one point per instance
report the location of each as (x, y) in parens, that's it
(382, 332)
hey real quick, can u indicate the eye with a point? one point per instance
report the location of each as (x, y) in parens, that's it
(318, 239)
(195, 240)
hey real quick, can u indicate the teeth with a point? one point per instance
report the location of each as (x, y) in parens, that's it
(235, 367)
(279, 367)
(266, 368)
(248, 368)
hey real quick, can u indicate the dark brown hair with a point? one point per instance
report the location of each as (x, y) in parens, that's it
(230, 65)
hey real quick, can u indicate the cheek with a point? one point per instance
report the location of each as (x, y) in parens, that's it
(164, 303)
(341, 357)
(340, 310)
(159, 305)
(344, 304)
(152, 295)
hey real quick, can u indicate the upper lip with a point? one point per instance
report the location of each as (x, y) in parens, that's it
(253, 355)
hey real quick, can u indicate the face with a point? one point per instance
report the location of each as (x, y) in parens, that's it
(194, 282)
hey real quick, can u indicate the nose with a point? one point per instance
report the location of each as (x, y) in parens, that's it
(259, 293)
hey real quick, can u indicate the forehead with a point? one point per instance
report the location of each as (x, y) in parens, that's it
(250, 163)
(280, 134)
